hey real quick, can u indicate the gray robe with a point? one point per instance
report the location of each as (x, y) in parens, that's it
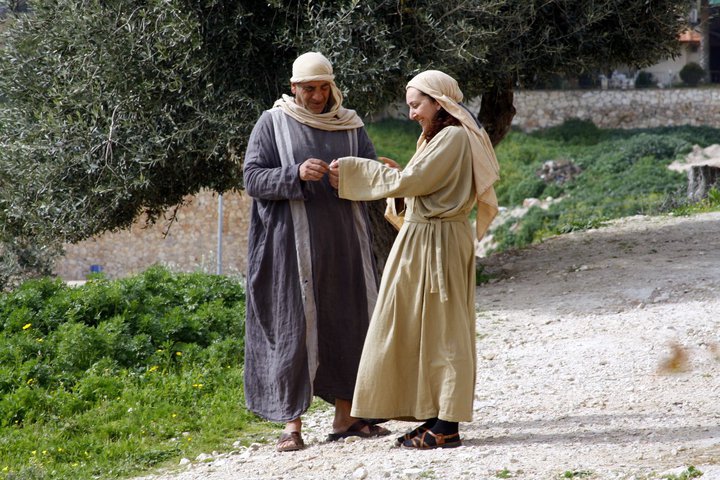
(311, 279)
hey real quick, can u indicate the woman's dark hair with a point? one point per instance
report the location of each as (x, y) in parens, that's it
(441, 120)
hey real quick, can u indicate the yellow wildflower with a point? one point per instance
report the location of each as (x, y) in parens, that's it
(27, 326)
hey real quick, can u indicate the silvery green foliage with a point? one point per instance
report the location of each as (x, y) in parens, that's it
(115, 108)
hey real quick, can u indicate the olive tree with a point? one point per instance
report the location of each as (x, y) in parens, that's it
(112, 109)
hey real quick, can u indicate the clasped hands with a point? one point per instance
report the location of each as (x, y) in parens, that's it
(314, 169)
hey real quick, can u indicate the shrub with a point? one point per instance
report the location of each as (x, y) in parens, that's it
(55, 334)
(588, 80)
(644, 80)
(103, 379)
(692, 73)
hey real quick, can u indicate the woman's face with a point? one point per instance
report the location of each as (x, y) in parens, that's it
(423, 108)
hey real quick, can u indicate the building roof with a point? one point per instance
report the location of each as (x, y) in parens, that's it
(691, 36)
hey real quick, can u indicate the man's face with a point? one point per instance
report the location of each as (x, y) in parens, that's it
(313, 96)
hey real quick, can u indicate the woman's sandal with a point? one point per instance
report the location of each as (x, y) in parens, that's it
(411, 434)
(356, 430)
(428, 440)
(290, 442)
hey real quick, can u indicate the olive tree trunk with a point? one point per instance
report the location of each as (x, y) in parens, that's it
(497, 110)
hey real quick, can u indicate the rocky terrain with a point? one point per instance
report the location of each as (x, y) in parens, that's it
(598, 358)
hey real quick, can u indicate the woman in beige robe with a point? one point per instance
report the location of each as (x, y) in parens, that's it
(418, 361)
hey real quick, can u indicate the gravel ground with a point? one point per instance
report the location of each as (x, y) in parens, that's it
(598, 358)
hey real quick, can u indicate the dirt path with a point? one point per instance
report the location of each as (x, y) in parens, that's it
(576, 371)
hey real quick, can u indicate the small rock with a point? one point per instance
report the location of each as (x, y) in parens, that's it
(360, 473)
(184, 461)
(412, 472)
(203, 457)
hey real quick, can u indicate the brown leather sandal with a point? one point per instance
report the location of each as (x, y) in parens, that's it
(411, 434)
(428, 440)
(356, 430)
(290, 442)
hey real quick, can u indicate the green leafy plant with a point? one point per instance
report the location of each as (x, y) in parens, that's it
(690, 472)
(710, 203)
(692, 73)
(576, 473)
(644, 80)
(113, 377)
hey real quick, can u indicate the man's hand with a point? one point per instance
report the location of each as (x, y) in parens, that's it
(313, 169)
(334, 174)
(390, 162)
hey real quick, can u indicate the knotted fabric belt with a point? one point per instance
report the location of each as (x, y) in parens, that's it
(437, 276)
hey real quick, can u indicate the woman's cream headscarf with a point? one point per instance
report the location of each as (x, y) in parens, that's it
(486, 171)
(310, 67)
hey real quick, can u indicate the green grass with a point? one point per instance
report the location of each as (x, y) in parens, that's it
(711, 203)
(395, 139)
(115, 377)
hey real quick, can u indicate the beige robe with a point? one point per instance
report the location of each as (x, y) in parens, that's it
(418, 361)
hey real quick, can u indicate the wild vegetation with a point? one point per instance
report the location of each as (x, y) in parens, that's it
(113, 377)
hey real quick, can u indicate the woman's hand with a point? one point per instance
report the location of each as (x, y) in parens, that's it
(390, 162)
(313, 170)
(334, 174)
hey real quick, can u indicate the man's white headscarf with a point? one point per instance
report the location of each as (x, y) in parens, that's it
(486, 171)
(311, 67)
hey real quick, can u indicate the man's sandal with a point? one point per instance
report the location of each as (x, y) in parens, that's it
(411, 434)
(356, 430)
(290, 442)
(428, 440)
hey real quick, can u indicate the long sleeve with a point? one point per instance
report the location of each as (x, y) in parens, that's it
(428, 172)
(264, 176)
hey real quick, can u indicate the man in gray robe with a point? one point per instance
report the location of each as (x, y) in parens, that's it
(311, 279)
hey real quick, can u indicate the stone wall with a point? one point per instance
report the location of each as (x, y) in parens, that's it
(643, 108)
(190, 243)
